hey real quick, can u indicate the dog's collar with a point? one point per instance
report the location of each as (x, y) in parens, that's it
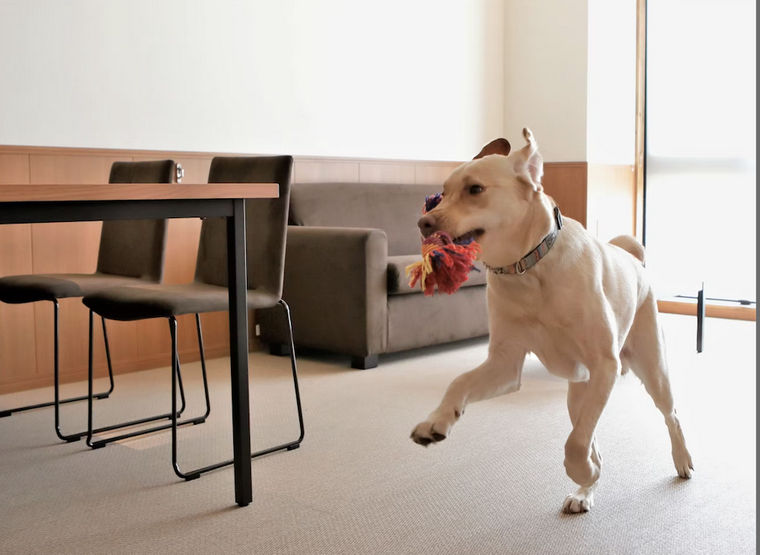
(532, 258)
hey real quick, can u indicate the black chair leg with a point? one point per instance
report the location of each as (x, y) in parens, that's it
(294, 371)
(203, 365)
(103, 442)
(193, 474)
(175, 379)
(57, 401)
(57, 382)
(108, 361)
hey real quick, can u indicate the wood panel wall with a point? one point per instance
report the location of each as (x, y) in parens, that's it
(26, 331)
(567, 184)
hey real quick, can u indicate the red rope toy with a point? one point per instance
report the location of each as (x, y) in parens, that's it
(445, 263)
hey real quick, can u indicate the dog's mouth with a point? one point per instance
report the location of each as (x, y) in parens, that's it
(469, 237)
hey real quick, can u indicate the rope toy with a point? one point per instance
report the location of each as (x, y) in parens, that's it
(445, 263)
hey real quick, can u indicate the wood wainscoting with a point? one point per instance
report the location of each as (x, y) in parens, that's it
(26, 331)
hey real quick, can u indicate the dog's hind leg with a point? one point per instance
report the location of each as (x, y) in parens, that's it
(645, 349)
(498, 375)
(583, 499)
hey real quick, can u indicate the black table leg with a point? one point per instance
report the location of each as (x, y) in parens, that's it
(700, 318)
(237, 283)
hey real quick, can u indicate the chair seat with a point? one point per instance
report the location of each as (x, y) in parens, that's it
(48, 287)
(166, 300)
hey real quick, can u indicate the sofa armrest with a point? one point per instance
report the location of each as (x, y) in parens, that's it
(336, 286)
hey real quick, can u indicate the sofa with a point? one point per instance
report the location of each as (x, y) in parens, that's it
(348, 245)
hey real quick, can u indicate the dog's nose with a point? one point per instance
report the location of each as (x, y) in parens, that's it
(427, 225)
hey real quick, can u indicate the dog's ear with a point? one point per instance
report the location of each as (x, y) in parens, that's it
(529, 165)
(497, 146)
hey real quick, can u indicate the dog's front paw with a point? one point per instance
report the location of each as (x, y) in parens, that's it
(435, 429)
(683, 464)
(579, 502)
(425, 434)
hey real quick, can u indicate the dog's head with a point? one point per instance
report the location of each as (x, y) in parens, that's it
(489, 198)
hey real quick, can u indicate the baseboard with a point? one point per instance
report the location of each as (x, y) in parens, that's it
(122, 367)
(712, 310)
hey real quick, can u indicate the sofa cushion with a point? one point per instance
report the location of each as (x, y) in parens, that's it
(398, 284)
(394, 208)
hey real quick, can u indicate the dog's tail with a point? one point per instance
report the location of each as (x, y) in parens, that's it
(630, 244)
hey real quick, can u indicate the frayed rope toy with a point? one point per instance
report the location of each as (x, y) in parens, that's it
(445, 263)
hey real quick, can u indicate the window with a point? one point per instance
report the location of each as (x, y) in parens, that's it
(700, 147)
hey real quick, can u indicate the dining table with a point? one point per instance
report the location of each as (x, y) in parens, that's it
(40, 203)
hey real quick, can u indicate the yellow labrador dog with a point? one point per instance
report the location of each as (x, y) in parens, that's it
(582, 306)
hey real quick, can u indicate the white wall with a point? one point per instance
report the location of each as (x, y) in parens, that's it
(421, 79)
(396, 78)
(546, 72)
(611, 81)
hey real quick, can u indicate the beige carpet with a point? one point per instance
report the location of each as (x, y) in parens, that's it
(359, 485)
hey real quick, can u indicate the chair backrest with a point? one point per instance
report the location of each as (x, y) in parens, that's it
(135, 248)
(266, 224)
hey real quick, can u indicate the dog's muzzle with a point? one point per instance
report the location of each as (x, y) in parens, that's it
(427, 225)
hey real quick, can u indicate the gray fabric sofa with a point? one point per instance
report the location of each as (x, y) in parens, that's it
(347, 247)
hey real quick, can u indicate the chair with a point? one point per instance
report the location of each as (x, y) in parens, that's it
(266, 222)
(130, 252)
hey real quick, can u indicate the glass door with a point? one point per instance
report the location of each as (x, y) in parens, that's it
(700, 147)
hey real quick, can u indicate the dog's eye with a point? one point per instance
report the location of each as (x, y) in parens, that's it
(476, 189)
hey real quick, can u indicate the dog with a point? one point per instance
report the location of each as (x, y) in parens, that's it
(583, 307)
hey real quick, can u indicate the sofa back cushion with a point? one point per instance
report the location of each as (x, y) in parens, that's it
(394, 208)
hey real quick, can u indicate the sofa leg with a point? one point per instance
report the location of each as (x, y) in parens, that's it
(279, 349)
(364, 363)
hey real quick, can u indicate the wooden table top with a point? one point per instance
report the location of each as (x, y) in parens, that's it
(134, 191)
